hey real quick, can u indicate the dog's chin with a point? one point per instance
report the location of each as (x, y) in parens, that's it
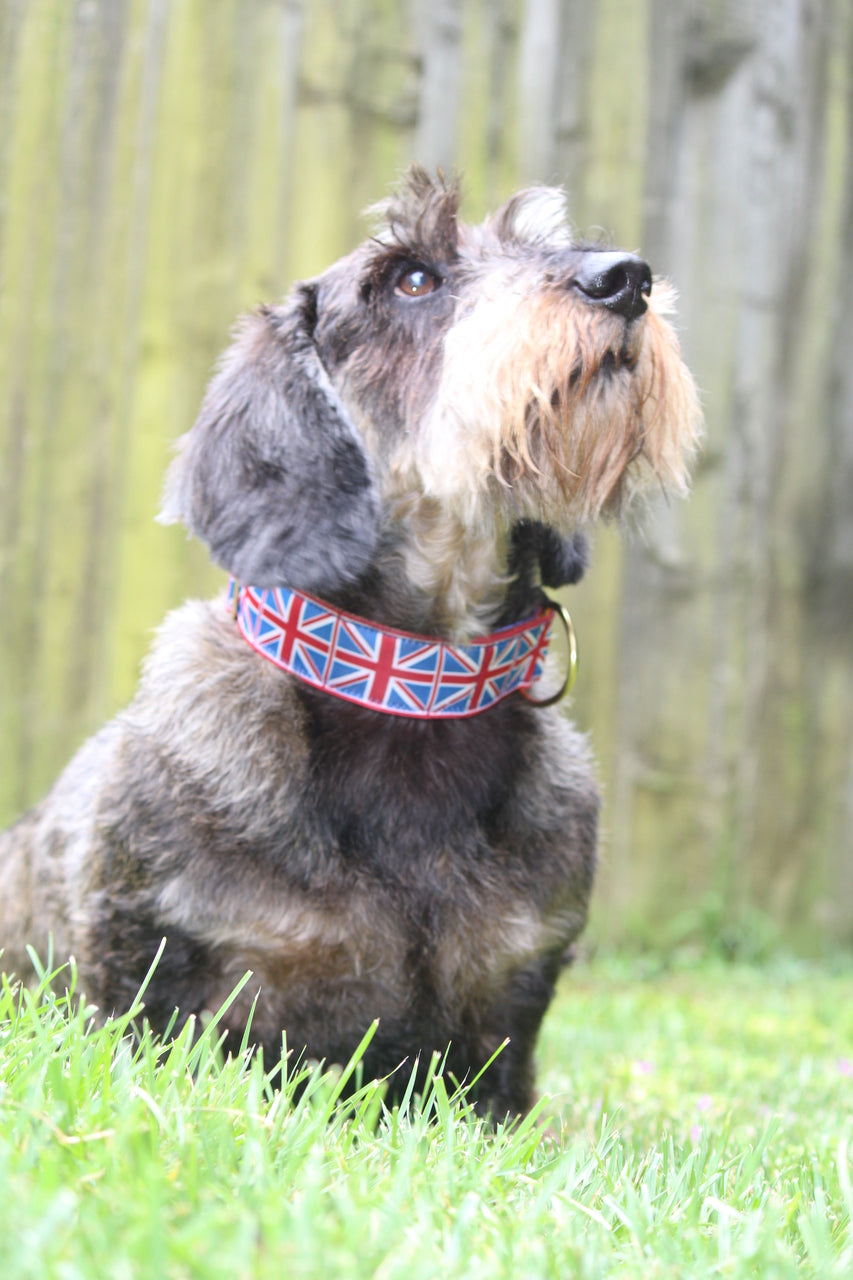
(606, 474)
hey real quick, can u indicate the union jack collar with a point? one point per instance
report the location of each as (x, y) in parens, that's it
(384, 669)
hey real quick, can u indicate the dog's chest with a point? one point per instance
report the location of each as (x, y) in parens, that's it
(426, 882)
(396, 871)
(430, 951)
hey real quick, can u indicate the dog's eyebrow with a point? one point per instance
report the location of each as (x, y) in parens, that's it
(419, 243)
(420, 220)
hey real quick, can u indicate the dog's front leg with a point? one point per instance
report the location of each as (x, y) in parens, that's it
(512, 1019)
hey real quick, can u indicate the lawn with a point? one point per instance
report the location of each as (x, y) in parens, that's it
(697, 1122)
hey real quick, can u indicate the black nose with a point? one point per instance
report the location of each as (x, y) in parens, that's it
(619, 281)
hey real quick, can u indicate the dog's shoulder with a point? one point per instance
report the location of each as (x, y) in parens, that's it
(203, 688)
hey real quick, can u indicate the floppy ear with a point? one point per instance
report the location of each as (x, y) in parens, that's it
(273, 477)
(561, 560)
(539, 554)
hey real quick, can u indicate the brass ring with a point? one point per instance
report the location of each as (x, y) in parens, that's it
(571, 675)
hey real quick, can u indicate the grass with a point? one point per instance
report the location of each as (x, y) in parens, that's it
(697, 1123)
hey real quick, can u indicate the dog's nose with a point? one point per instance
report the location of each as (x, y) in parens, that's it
(619, 281)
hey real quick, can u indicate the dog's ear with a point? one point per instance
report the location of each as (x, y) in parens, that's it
(561, 561)
(274, 477)
(540, 557)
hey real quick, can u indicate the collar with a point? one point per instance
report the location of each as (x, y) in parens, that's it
(388, 670)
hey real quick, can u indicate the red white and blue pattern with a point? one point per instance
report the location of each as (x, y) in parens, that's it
(384, 669)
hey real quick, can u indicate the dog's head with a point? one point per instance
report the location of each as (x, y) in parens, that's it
(439, 385)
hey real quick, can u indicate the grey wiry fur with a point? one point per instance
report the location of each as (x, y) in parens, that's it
(271, 418)
(419, 435)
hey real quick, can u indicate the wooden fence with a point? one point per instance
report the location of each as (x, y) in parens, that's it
(165, 164)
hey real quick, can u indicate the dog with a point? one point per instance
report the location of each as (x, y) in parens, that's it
(338, 777)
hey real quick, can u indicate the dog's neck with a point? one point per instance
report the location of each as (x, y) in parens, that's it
(454, 573)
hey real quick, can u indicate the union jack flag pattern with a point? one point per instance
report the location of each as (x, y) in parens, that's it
(384, 669)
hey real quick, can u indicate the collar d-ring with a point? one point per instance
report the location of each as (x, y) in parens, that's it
(571, 673)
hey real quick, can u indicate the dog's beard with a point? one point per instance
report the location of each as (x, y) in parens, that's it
(564, 413)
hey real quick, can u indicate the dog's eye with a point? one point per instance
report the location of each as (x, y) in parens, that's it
(415, 282)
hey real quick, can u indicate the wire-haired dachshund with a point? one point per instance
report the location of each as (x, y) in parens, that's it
(337, 776)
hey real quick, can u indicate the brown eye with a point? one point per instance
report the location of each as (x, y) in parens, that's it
(416, 282)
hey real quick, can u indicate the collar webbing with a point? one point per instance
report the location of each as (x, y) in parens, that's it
(388, 670)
